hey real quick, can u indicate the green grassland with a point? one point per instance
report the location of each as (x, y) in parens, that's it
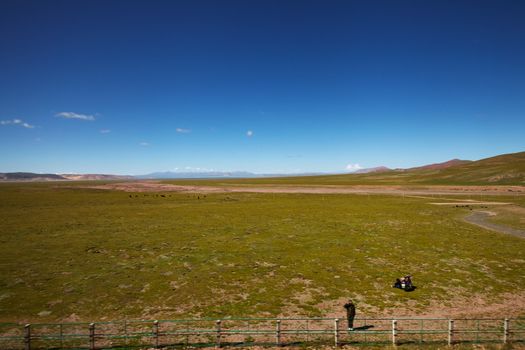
(508, 169)
(73, 253)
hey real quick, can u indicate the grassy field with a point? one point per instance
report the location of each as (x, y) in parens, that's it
(513, 216)
(80, 254)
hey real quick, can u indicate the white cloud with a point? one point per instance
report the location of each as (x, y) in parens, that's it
(353, 167)
(105, 131)
(72, 115)
(183, 131)
(144, 144)
(249, 133)
(17, 122)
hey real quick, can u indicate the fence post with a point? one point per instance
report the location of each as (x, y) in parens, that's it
(218, 341)
(450, 332)
(278, 333)
(61, 335)
(307, 330)
(27, 336)
(336, 332)
(505, 331)
(156, 332)
(92, 336)
(394, 332)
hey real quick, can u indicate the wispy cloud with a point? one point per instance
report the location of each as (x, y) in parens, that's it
(73, 115)
(18, 122)
(249, 133)
(183, 131)
(105, 131)
(353, 167)
(144, 144)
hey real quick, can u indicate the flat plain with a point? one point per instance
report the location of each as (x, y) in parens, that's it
(71, 253)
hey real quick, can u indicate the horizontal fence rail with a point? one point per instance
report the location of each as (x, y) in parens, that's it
(257, 331)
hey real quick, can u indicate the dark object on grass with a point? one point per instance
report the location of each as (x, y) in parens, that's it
(397, 284)
(404, 283)
(350, 314)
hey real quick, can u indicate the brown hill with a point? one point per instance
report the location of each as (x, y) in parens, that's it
(21, 176)
(86, 177)
(378, 169)
(444, 165)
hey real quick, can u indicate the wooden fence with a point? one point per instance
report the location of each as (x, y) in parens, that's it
(257, 331)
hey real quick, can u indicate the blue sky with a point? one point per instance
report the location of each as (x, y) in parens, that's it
(132, 87)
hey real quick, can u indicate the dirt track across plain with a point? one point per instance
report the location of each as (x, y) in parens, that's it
(471, 203)
(155, 186)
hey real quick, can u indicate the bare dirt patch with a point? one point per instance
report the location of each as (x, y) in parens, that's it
(476, 306)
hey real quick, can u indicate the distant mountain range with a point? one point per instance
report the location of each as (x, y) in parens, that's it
(214, 175)
(197, 175)
(24, 176)
(88, 177)
(21, 176)
(502, 169)
(30, 177)
(378, 169)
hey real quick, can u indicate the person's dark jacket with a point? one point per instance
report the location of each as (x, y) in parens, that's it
(350, 309)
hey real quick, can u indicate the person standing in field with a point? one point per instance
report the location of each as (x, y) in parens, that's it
(350, 314)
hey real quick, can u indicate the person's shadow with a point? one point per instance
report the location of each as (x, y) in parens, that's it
(410, 289)
(363, 328)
